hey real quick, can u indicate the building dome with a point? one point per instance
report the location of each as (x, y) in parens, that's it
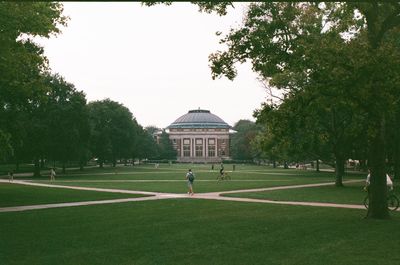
(199, 119)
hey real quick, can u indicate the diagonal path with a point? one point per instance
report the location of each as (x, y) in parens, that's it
(283, 187)
(159, 195)
(71, 204)
(79, 188)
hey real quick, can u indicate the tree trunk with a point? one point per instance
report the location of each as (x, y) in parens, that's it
(63, 167)
(81, 165)
(36, 172)
(274, 164)
(42, 163)
(317, 165)
(396, 160)
(377, 190)
(339, 171)
(397, 167)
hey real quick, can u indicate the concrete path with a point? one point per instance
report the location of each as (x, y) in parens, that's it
(28, 183)
(319, 204)
(289, 187)
(217, 196)
(154, 180)
(71, 204)
(159, 195)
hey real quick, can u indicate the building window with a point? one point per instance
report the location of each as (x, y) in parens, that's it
(211, 151)
(186, 147)
(199, 147)
(211, 147)
(222, 152)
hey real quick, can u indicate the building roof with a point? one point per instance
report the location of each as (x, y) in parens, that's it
(199, 119)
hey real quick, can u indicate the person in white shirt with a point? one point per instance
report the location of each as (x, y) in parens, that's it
(389, 181)
(52, 174)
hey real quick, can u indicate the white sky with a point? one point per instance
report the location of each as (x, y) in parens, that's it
(154, 60)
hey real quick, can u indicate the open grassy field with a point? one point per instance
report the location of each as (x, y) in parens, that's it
(197, 232)
(172, 178)
(351, 193)
(194, 231)
(17, 195)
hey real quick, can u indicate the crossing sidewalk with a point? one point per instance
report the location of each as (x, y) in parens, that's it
(160, 195)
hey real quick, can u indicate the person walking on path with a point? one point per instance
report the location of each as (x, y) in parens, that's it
(52, 174)
(222, 172)
(190, 179)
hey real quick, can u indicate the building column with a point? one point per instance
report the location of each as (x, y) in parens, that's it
(181, 139)
(204, 148)
(192, 147)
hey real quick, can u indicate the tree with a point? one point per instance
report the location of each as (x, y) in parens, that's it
(241, 142)
(5, 146)
(278, 38)
(113, 131)
(382, 28)
(146, 145)
(150, 146)
(22, 61)
(21, 65)
(67, 119)
(165, 148)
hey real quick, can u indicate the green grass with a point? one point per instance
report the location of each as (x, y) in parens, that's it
(5, 168)
(349, 194)
(181, 187)
(193, 231)
(172, 177)
(197, 232)
(17, 195)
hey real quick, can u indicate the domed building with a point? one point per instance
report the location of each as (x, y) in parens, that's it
(200, 136)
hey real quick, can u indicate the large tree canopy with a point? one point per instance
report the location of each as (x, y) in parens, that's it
(22, 61)
(113, 131)
(242, 140)
(339, 58)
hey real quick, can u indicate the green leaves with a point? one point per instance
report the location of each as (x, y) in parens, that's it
(22, 65)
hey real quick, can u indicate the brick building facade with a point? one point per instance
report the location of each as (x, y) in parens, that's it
(200, 136)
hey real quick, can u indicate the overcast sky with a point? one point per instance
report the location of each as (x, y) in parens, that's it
(154, 60)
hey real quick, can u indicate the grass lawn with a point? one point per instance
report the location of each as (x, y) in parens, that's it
(351, 193)
(178, 171)
(194, 231)
(17, 195)
(172, 177)
(181, 187)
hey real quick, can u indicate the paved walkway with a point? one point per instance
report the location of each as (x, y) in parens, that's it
(160, 195)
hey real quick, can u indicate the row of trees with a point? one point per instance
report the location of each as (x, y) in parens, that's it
(336, 66)
(63, 127)
(45, 118)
